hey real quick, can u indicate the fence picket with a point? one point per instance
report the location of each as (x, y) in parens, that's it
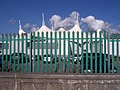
(104, 52)
(42, 52)
(38, 52)
(55, 66)
(91, 53)
(34, 49)
(78, 64)
(73, 53)
(101, 48)
(64, 51)
(69, 51)
(18, 52)
(51, 63)
(86, 52)
(112, 53)
(22, 53)
(82, 54)
(3, 53)
(26, 51)
(46, 51)
(96, 52)
(10, 52)
(117, 52)
(60, 65)
(108, 52)
(7, 66)
(14, 53)
(31, 51)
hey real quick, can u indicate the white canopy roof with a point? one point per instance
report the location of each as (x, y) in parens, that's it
(21, 32)
(43, 28)
(61, 30)
(75, 28)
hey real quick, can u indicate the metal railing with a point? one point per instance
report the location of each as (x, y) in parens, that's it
(52, 52)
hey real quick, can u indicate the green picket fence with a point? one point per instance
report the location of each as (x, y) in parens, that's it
(60, 52)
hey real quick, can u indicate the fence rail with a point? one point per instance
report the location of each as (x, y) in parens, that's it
(51, 52)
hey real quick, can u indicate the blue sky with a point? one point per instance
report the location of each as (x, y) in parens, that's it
(29, 11)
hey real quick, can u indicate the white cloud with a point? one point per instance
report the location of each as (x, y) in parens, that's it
(66, 23)
(113, 29)
(27, 26)
(34, 28)
(94, 24)
(30, 27)
(89, 22)
(118, 25)
(12, 21)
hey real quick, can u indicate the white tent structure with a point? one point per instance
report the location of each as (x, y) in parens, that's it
(76, 28)
(43, 28)
(20, 32)
(61, 30)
